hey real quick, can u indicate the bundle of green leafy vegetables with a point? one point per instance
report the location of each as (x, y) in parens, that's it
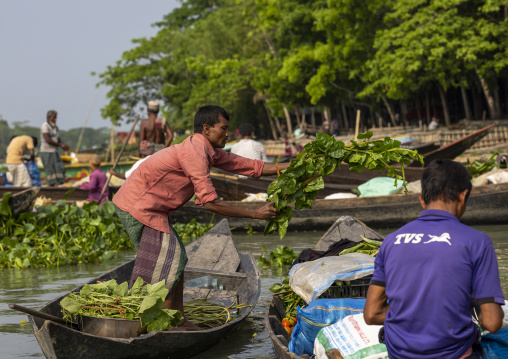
(112, 300)
(60, 234)
(302, 180)
(367, 246)
(478, 167)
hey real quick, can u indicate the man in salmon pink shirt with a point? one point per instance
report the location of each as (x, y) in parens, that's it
(165, 182)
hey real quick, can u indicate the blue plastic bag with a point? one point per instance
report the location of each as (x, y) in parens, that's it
(34, 173)
(318, 314)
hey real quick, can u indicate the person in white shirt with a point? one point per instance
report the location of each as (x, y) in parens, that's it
(129, 172)
(434, 123)
(247, 147)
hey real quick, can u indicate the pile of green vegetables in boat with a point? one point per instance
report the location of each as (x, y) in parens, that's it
(301, 182)
(60, 234)
(142, 302)
(291, 300)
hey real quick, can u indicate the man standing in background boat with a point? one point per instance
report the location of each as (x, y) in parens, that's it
(429, 273)
(155, 133)
(165, 182)
(50, 142)
(18, 147)
(247, 147)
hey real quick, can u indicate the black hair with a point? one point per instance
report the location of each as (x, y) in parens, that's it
(246, 129)
(36, 141)
(208, 115)
(444, 180)
(152, 110)
(51, 114)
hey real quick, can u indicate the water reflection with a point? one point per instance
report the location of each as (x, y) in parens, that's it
(34, 287)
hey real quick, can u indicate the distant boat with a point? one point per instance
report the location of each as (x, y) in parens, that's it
(454, 149)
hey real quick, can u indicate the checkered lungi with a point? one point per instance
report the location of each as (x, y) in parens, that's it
(20, 175)
(54, 167)
(160, 255)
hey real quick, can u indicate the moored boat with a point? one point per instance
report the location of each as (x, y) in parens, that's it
(240, 284)
(345, 227)
(486, 205)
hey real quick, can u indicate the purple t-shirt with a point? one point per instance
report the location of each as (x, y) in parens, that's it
(97, 181)
(430, 267)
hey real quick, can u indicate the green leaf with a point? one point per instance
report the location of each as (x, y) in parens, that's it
(365, 135)
(149, 309)
(70, 305)
(158, 289)
(5, 209)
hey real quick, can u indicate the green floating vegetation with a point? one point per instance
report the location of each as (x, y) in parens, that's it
(280, 256)
(112, 300)
(60, 234)
(302, 180)
(191, 231)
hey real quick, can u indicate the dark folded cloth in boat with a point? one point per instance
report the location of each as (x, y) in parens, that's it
(502, 160)
(310, 255)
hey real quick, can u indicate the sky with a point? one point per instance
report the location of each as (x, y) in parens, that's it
(48, 49)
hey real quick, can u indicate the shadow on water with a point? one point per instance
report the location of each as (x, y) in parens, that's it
(34, 287)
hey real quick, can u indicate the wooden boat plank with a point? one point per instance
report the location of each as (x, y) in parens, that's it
(215, 250)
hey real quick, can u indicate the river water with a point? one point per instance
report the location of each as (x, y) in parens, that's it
(34, 287)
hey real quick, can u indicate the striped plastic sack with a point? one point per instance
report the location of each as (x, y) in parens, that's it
(317, 315)
(352, 337)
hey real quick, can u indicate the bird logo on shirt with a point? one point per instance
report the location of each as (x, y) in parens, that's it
(442, 238)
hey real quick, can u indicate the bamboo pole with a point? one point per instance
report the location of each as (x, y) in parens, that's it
(357, 126)
(118, 157)
(86, 121)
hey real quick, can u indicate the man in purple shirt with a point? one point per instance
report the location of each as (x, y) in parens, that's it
(428, 273)
(97, 181)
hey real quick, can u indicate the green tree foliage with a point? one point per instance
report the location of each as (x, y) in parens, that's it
(282, 54)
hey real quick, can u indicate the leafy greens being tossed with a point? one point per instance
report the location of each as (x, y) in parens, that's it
(302, 180)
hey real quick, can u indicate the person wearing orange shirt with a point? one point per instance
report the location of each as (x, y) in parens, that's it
(165, 182)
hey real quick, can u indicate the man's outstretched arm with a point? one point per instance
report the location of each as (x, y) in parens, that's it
(266, 211)
(270, 169)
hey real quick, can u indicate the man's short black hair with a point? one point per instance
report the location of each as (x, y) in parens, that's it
(246, 129)
(208, 115)
(444, 180)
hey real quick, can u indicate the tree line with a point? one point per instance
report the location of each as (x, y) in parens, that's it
(270, 62)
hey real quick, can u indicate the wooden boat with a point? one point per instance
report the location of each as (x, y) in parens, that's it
(345, 227)
(56, 193)
(486, 205)
(233, 188)
(213, 254)
(455, 148)
(22, 201)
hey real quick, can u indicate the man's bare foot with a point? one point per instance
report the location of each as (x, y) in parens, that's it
(187, 326)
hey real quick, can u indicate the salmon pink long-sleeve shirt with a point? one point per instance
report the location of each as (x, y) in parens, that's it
(170, 177)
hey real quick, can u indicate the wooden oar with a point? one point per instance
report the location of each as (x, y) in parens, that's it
(42, 315)
(118, 158)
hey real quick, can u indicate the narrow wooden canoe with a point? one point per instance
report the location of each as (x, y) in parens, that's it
(345, 227)
(486, 205)
(455, 148)
(22, 201)
(56, 193)
(241, 285)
